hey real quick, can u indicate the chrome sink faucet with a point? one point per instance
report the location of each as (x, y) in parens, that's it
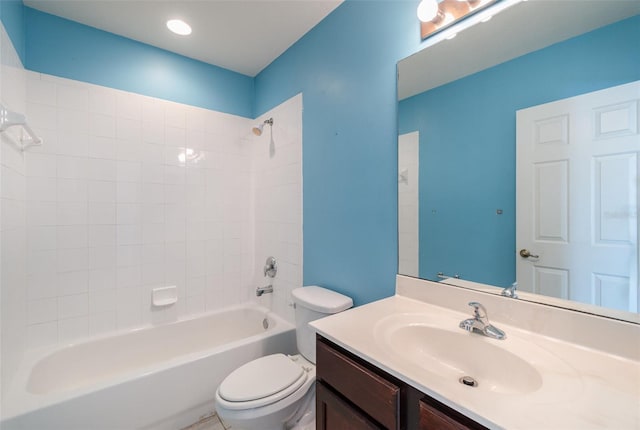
(480, 323)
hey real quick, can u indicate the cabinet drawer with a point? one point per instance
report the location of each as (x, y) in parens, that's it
(376, 396)
(436, 416)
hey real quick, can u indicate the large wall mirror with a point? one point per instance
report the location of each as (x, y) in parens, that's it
(519, 154)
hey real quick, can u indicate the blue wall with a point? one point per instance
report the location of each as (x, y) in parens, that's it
(12, 16)
(467, 143)
(346, 68)
(61, 47)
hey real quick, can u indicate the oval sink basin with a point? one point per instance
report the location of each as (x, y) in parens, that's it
(507, 366)
(454, 355)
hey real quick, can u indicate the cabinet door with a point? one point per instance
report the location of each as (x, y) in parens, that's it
(333, 413)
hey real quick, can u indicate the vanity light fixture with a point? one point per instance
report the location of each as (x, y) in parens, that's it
(178, 26)
(427, 10)
(454, 16)
(445, 13)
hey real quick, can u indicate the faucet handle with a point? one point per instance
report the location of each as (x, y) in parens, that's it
(480, 323)
(511, 291)
(479, 311)
(270, 267)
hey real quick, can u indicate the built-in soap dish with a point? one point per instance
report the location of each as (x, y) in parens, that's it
(164, 296)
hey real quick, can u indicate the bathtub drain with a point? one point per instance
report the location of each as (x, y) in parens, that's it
(265, 323)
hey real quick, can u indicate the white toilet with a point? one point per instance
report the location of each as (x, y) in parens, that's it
(278, 391)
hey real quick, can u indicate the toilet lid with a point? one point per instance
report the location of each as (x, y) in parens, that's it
(261, 378)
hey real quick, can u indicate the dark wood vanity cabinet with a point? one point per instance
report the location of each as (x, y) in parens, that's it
(364, 391)
(352, 394)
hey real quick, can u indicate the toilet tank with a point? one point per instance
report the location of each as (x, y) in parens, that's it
(312, 303)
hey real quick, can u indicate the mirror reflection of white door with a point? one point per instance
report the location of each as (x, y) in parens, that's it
(408, 207)
(577, 202)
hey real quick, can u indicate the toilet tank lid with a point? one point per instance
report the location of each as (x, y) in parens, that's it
(321, 300)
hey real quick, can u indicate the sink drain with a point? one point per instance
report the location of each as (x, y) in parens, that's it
(468, 381)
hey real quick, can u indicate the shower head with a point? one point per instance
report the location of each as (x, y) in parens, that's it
(258, 129)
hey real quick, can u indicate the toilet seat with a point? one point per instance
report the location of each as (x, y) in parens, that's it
(261, 382)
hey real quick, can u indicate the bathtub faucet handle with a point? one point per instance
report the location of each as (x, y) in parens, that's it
(270, 267)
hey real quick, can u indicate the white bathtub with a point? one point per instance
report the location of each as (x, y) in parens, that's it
(162, 377)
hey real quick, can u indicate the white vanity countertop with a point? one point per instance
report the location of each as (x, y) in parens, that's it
(577, 387)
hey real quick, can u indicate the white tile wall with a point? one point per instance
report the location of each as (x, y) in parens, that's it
(132, 193)
(13, 233)
(278, 203)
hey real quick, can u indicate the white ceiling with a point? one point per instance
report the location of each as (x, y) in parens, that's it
(523, 28)
(240, 35)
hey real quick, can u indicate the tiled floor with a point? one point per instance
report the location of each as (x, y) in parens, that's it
(209, 423)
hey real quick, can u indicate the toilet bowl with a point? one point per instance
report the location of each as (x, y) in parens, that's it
(270, 393)
(277, 391)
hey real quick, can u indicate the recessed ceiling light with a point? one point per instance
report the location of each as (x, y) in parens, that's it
(178, 26)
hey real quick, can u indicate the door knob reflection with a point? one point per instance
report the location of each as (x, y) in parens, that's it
(524, 253)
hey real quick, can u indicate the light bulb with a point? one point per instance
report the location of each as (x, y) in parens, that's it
(427, 10)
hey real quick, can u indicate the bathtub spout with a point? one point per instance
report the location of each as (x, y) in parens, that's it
(261, 290)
